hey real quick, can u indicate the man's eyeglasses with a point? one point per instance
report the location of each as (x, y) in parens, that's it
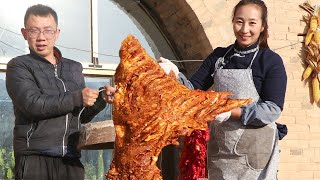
(47, 33)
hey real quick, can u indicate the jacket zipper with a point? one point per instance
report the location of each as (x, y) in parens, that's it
(67, 118)
(29, 135)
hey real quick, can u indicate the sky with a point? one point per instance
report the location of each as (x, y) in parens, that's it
(114, 24)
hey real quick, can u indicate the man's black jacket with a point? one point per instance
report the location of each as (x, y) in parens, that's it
(47, 100)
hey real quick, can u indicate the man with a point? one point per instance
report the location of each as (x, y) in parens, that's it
(48, 92)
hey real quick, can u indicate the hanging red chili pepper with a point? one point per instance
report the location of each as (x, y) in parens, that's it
(193, 160)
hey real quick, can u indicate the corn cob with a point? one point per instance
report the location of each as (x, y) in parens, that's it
(308, 37)
(315, 89)
(307, 72)
(313, 23)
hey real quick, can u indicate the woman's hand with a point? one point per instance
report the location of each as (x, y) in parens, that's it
(223, 117)
(234, 114)
(168, 66)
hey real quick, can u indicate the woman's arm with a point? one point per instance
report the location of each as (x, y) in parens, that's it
(272, 95)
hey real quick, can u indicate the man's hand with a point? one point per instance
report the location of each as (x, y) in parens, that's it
(168, 66)
(89, 96)
(223, 117)
(108, 95)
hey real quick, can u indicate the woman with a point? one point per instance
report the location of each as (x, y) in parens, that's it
(244, 142)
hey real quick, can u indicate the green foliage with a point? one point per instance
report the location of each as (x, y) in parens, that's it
(6, 163)
(90, 171)
(10, 174)
(96, 163)
(100, 165)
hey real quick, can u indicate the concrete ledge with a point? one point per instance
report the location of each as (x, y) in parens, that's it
(97, 135)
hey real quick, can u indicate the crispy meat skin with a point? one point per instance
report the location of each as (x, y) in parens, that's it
(151, 109)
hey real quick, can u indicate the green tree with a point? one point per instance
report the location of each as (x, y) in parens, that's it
(7, 162)
(100, 165)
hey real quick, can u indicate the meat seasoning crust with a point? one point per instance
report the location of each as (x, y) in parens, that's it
(151, 110)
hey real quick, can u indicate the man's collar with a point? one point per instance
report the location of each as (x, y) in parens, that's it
(56, 52)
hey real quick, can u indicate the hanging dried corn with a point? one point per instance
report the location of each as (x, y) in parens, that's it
(308, 37)
(312, 49)
(313, 23)
(307, 72)
(315, 89)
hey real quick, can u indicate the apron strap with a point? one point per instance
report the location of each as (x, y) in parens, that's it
(254, 56)
(220, 63)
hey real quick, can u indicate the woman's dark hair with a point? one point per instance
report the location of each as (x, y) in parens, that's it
(40, 10)
(263, 43)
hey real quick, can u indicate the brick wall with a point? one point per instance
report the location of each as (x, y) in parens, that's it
(190, 24)
(300, 149)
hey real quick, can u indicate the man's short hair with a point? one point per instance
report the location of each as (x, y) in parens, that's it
(40, 10)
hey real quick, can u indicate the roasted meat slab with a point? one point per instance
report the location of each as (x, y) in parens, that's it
(151, 110)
